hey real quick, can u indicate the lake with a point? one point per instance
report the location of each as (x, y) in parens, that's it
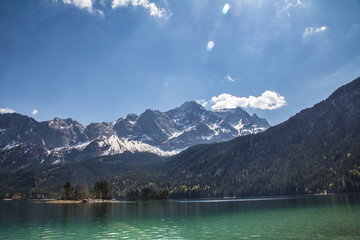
(306, 217)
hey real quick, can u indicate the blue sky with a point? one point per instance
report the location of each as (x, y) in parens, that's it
(100, 60)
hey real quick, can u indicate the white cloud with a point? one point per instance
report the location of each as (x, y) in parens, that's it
(6, 110)
(34, 112)
(311, 30)
(269, 100)
(228, 77)
(202, 102)
(84, 4)
(293, 3)
(79, 3)
(226, 100)
(93, 8)
(154, 10)
(321, 29)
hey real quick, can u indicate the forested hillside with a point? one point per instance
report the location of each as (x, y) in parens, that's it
(317, 149)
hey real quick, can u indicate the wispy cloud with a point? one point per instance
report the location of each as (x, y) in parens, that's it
(229, 78)
(6, 110)
(293, 3)
(202, 102)
(311, 30)
(153, 9)
(269, 100)
(79, 3)
(93, 8)
(34, 112)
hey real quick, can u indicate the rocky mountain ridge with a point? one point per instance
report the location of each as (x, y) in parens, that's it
(24, 142)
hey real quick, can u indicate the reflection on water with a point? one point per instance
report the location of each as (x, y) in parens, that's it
(315, 217)
(101, 211)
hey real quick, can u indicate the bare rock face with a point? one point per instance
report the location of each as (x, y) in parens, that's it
(62, 132)
(95, 130)
(188, 125)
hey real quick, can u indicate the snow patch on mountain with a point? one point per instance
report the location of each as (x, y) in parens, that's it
(111, 146)
(146, 137)
(11, 145)
(57, 162)
(119, 145)
(238, 126)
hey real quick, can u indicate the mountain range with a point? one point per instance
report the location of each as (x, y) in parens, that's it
(315, 151)
(26, 143)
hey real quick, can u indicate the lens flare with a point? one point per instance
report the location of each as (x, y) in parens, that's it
(226, 8)
(210, 45)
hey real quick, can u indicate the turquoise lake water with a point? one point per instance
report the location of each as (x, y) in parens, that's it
(312, 217)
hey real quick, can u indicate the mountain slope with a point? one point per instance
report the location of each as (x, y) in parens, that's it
(16, 128)
(46, 181)
(317, 149)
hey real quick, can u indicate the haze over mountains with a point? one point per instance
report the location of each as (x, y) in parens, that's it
(26, 143)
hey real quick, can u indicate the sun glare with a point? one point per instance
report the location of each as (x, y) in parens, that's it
(226, 8)
(210, 45)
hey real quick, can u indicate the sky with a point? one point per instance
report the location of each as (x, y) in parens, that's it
(98, 60)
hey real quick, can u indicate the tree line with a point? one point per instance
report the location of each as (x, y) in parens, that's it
(101, 190)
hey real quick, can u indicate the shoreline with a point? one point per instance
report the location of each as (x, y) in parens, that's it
(83, 201)
(59, 201)
(224, 199)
